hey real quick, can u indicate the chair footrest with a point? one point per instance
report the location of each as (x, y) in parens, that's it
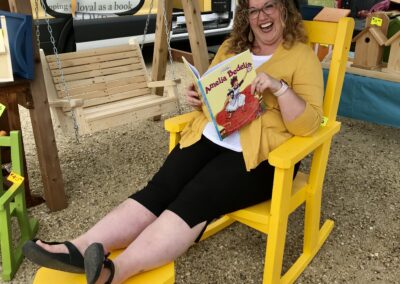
(162, 275)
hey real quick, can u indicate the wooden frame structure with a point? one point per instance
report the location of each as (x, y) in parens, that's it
(31, 95)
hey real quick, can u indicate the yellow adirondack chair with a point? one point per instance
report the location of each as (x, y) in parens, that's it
(272, 217)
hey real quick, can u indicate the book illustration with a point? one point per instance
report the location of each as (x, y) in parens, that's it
(226, 91)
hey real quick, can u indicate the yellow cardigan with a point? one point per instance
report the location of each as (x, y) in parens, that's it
(301, 69)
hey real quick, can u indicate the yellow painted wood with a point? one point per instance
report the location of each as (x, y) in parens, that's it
(278, 224)
(271, 217)
(162, 275)
(217, 226)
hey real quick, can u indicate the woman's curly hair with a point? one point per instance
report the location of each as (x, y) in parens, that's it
(293, 29)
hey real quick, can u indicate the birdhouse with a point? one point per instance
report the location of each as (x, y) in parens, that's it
(394, 57)
(369, 48)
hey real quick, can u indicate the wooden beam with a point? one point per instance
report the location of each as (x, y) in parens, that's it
(160, 53)
(46, 146)
(196, 34)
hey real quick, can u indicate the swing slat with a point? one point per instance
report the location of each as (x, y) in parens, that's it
(113, 84)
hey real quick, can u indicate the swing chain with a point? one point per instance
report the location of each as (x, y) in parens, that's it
(147, 25)
(167, 32)
(37, 23)
(168, 38)
(59, 66)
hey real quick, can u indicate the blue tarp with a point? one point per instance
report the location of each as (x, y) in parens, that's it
(19, 29)
(370, 99)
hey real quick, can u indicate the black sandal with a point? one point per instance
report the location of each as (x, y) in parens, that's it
(68, 262)
(95, 260)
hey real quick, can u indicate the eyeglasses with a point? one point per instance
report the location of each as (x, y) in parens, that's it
(268, 8)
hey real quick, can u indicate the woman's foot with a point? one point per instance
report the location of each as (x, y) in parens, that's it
(54, 248)
(59, 256)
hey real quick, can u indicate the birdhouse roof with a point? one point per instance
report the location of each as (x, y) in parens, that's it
(376, 33)
(393, 38)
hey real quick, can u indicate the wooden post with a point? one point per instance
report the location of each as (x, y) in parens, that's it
(160, 57)
(196, 37)
(43, 128)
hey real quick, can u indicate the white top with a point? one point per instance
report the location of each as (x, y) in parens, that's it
(232, 141)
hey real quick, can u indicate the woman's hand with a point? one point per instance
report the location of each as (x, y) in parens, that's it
(263, 82)
(192, 97)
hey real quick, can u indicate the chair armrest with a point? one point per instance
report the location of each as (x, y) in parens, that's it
(67, 103)
(177, 123)
(296, 148)
(165, 83)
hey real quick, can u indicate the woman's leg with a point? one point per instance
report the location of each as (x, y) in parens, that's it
(168, 237)
(116, 230)
(122, 225)
(224, 183)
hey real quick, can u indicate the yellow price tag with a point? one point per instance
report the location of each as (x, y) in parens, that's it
(375, 21)
(15, 178)
(324, 121)
(2, 108)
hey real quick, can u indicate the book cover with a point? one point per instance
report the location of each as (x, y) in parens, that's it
(226, 91)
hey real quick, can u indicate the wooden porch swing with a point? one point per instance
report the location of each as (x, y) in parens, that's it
(101, 88)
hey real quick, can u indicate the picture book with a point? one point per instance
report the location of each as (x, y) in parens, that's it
(225, 90)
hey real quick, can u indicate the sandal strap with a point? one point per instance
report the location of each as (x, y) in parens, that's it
(108, 263)
(46, 242)
(74, 254)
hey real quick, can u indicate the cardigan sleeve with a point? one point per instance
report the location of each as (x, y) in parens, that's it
(307, 82)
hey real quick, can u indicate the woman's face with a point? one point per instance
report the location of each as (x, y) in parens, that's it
(265, 22)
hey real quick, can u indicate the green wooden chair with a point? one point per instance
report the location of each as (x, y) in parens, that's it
(12, 205)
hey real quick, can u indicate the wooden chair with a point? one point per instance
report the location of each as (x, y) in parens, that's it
(12, 205)
(271, 217)
(107, 87)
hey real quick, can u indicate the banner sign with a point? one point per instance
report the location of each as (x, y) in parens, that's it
(89, 9)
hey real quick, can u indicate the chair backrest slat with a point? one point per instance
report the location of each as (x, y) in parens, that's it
(332, 34)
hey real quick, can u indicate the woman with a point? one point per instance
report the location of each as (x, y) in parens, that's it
(160, 222)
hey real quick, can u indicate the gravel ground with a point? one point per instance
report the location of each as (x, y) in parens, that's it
(361, 194)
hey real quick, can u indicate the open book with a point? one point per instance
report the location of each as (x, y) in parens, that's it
(226, 91)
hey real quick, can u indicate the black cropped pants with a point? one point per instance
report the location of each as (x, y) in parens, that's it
(204, 181)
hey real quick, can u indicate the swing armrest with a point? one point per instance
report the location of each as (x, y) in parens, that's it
(73, 103)
(296, 148)
(166, 83)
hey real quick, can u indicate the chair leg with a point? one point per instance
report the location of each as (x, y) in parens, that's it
(314, 236)
(7, 255)
(278, 225)
(314, 199)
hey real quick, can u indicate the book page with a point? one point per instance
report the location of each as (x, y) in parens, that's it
(191, 68)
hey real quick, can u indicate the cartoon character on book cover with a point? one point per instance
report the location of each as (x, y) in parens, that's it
(240, 106)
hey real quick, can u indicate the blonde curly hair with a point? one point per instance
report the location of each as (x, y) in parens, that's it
(293, 29)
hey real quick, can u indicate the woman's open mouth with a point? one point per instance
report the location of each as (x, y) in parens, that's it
(266, 27)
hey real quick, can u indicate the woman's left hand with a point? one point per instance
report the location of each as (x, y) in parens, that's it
(263, 82)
